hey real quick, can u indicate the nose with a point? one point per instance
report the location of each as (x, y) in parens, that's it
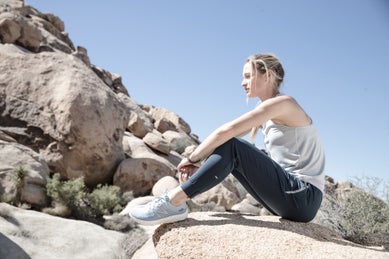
(244, 83)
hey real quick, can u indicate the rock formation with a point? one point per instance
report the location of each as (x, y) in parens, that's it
(59, 113)
(74, 118)
(233, 235)
(30, 234)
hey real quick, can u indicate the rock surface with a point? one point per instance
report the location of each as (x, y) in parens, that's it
(232, 235)
(67, 113)
(76, 116)
(32, 188)
(60, 113)
(30, 234)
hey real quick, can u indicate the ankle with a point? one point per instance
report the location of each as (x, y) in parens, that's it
(177, 196)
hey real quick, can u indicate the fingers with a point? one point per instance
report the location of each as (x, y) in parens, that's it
(184, 177)
(186, 172)
(184, 162)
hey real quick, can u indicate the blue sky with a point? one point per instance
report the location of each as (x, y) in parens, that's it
(187, 56)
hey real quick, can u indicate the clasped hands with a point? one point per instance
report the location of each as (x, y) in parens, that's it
(186, 170)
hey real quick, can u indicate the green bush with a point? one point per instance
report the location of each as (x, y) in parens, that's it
(82, 203)
(373, 185)
(105, 199)
(362, 212)
(70, 193)
(357, 213)
(21, 173)
(6, 198)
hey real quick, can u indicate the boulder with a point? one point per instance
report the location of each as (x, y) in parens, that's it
(15, 28)
(164, 124)
(63, 111)
(143, 168)
(135, 147)
(52, 37)
(178, 141)
(233, 235)
(113, 81)
(164, 184)
(159, 113)
(30, 188)
(31, 234)
(25, 26)
(140, 122)
(140, 174)
(225, 195)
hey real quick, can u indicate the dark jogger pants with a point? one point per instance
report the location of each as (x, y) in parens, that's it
(278, 191)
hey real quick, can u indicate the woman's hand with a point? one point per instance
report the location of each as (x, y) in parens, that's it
(185, 170)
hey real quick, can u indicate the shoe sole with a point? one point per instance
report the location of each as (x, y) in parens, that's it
(170, 219)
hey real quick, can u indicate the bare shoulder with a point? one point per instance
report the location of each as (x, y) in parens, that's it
(281, 100)
(286, 98)
(288, 111)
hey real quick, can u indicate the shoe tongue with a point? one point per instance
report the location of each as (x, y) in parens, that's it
(156, 203)
(165, 197)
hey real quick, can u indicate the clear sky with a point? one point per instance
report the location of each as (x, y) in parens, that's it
(187, 57)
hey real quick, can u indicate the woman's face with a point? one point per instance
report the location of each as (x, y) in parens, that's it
(252, 84)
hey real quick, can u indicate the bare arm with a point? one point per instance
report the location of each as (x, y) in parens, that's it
(282, 109)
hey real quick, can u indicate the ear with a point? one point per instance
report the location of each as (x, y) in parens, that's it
(270, 77)
(270, 74)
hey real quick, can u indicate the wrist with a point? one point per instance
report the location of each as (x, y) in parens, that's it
(192, 161)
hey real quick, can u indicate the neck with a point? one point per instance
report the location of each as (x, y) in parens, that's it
(268, 94)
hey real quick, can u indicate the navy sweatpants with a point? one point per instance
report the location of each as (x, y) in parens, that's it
(278, 191)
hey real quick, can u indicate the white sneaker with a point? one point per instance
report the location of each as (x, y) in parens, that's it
(159, 211)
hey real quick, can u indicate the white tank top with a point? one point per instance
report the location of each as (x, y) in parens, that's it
(298, 150)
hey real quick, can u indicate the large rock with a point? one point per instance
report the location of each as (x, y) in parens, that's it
(224, 194)
(157, 142)
(230, 235)
(55, 104)
(140, 122)
(140, 174)
(159, 113)
(143, 169)
(30, 234)
(33, 186)
(178, 141)
(23, 25)
(17, 29)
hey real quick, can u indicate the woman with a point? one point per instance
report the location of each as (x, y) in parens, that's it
(289, 181)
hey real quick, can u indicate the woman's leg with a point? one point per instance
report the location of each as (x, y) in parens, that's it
(264, 179)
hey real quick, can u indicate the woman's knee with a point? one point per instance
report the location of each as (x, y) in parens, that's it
(233, 143)
(226, 146)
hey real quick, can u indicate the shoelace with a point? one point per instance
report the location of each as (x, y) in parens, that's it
(156, 204)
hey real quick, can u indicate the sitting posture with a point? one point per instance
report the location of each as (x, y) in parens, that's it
(288, 180)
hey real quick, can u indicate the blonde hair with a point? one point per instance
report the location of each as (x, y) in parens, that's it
(270, 65)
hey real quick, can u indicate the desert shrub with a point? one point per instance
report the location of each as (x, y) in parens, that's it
(82, 203)
(21, 173)
(357, 214)
(373, 185)
(363, 214)
(6, 198)
(70, 193)
(105, 199)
